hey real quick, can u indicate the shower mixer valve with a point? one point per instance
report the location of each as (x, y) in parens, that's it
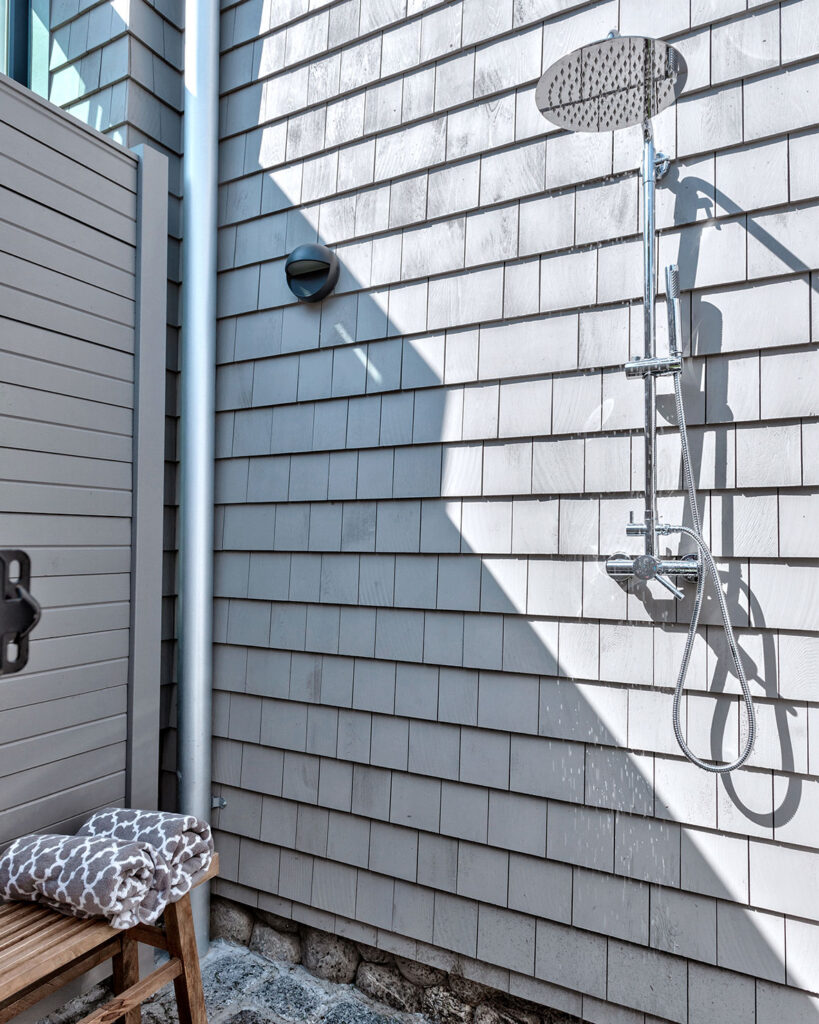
(653, 567)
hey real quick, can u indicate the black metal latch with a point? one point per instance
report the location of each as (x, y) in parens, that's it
(19, 612)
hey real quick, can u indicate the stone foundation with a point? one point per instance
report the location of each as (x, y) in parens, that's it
(411, 987)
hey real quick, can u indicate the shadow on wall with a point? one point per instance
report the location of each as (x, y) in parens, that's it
(364, 323)
(692, 192)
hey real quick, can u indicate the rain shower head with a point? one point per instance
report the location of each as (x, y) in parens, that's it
(615, 83)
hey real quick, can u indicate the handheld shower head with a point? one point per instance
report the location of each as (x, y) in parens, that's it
(615, 83)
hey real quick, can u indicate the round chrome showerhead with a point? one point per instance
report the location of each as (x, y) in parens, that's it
(611, 84)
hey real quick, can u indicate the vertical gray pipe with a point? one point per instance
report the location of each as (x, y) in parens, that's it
(648, 175)
(200, 182)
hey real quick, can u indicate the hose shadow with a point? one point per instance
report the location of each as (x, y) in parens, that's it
(691, 195)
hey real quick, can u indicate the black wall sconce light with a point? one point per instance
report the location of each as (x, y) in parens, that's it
(312, 271)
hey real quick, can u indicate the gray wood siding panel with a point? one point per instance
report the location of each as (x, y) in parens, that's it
(73, 353)
(68, 273)
(18, 465)
(142, 112)
(69, 622)
(60, 713)
(30, 403)
(111, 255)
(55, 437)
(61, 591)
(42, 750)
(81, 176)
(44, 189)
(66, 529)
(44, 312)
(29, 114)
(66, 806)
(27, 498)
(82, 561)
(65, 651)
(32, 688)
(22, 242)
(35, 783)
(36, 280)
(65, 380)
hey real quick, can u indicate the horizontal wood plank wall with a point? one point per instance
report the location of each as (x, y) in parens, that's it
(68, 235)
(120, 70)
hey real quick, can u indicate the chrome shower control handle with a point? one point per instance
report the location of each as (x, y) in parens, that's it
(670, 587)
(648, 567)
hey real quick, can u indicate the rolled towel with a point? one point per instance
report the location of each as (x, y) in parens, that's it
(87, 876)
(185, 842)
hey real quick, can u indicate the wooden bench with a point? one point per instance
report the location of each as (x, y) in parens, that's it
(41, 950)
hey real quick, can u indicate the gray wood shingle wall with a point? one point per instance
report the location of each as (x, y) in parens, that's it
(440, 727)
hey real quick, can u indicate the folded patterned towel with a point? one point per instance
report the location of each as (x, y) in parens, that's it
(183, 841)
(87, 876)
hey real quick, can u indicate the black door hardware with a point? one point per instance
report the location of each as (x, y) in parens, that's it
(19, 612)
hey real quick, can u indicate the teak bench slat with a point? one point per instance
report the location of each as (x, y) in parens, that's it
(41, 950)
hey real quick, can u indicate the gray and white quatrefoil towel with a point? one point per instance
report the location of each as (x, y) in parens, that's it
(87, 876)
(185, 842)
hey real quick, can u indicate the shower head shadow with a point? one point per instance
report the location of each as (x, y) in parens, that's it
(615, 83)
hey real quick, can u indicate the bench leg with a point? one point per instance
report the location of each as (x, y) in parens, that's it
(190, 1001)
(126, 974)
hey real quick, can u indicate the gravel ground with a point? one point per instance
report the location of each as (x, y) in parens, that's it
(243, 988)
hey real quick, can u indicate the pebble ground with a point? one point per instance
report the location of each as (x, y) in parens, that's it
(243, 988)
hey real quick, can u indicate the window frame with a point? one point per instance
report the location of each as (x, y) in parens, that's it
(18, 32)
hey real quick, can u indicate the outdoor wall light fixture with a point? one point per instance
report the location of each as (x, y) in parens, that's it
(611, 84)
(312, 271)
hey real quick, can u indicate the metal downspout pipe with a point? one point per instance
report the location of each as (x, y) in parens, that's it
(200, 183)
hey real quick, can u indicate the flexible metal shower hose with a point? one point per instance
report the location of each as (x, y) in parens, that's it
(706, 559)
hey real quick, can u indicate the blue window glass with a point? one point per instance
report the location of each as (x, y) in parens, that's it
(4, 34)
(17, 40)
(24, 42)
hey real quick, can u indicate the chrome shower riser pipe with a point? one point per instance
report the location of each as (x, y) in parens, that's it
(648, 173)
(648, 566)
